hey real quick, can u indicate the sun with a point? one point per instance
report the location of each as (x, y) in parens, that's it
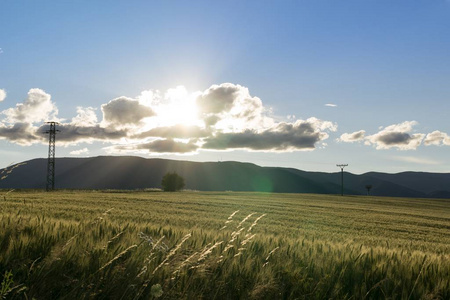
(179, 112)
(175, 107)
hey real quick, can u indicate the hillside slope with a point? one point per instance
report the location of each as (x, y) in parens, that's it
(129, 172)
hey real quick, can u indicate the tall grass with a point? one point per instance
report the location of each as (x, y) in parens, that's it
(78, 245)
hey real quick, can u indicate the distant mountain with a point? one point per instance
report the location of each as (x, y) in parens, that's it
(129, 172)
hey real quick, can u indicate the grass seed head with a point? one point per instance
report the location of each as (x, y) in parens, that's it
(245, 219)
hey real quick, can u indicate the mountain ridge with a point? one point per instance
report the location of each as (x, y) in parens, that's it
(133, 172)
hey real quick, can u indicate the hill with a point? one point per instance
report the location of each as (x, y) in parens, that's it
(129, 172)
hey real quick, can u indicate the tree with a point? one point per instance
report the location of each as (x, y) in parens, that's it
(368, 187)
(172, 182)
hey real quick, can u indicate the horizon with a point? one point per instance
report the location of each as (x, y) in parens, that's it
(226, 161)
(304, 85)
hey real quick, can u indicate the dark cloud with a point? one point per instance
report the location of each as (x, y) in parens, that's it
(229, 101)
(21, 133)
(159, 146)
(218, 98)
(282, 137)
(125, 111)
(74, 133)
(176, 131)
(396, 136)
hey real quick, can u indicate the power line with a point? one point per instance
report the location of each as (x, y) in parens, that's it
(342, 166)
(51, 156)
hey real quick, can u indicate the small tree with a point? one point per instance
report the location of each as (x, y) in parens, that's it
(172, 182)
(368, 187)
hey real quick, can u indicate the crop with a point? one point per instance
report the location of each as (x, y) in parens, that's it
(192, 245)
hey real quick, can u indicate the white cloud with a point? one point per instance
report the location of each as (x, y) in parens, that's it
(149, 97)
(437, 138)
(2, 95)
(223, 117)
(417, 160)
(331, 105)
(85, 117)
(179, 93)
(397, 136)
(79, 152)
(38, 107)
(352, 137)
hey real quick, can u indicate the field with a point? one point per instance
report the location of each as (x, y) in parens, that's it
(198, 245)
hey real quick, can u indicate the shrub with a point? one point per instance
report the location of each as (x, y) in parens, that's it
(172, 182)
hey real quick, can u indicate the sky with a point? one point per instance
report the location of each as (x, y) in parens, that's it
(300, 84)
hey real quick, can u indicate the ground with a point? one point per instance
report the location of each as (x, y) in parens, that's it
(224, 245)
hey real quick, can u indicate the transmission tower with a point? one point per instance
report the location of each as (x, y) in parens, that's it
(51, 156)
(342, 166)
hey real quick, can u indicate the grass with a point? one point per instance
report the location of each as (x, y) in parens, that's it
(199, 245)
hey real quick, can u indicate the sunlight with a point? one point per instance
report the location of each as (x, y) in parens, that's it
(176, 107)
(179, 111)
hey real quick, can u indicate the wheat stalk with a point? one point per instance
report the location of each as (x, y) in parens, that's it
(69, 241)
(173, 251)
(255, 222)
(245, 219)
(113, 239)
(118, 256)
(184, 263)
(204, 254)
(248, 239)
(269, 255)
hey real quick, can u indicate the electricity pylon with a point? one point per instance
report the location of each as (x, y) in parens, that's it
(51, 156)
(342, 166)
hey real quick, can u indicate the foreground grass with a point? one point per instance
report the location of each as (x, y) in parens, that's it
(190, 245)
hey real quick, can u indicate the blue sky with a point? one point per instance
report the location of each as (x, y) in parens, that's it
(236, 80)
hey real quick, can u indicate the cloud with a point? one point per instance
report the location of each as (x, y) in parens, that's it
(331, 105)
(301, 135)
(125, 111)
(396, 136)
(70, 134)
(417, 160)
(157, 146)
(24, 134)
(437, 138)
(2, 94)
(219, 98)
(85, 117)
(176, 131)
(38, 107)
(352, 137)
(222, 117)
(79, 152)
(231, 107)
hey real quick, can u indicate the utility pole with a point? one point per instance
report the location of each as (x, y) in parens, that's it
(51, 156)
(342, 166)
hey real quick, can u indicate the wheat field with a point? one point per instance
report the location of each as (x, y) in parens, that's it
(221, 245)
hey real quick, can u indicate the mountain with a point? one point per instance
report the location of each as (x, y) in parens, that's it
(129, 172)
